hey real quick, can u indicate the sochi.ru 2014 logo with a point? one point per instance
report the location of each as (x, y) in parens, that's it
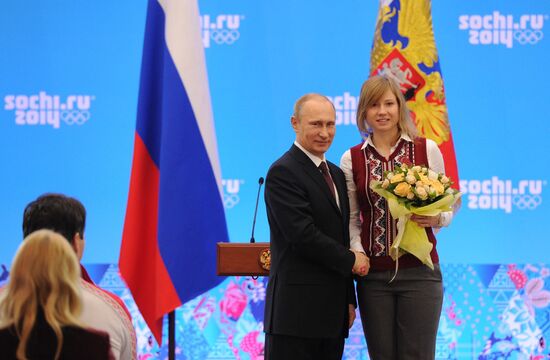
(498, 29)
(496, 194)
(346, 108)
(44, 109)
(222, 29)
(231, 188)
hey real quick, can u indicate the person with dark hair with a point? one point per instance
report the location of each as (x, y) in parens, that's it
(101, 309)
(60, 213)
(41, 304)
(63, 214)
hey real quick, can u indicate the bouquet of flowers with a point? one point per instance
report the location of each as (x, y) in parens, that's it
(414, 190)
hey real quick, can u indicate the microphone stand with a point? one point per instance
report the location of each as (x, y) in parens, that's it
(260, 182)
(252, 240)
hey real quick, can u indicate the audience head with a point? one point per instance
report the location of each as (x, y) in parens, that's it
(60, 213)
(45, 276)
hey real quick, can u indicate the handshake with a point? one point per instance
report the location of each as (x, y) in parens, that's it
(361, 265)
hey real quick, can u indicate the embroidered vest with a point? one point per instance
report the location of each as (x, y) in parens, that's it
(378, 227)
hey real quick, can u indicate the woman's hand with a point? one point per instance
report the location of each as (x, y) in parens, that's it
(426, 221)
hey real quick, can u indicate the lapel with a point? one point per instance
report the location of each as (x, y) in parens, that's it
(340, 183)
(310, 169)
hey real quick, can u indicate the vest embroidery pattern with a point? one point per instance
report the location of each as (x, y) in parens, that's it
(383, 227)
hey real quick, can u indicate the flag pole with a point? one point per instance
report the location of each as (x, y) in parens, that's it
(172, 335)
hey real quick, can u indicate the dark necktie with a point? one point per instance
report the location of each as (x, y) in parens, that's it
(324, 170)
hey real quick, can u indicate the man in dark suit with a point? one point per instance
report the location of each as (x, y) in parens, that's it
(310, 302)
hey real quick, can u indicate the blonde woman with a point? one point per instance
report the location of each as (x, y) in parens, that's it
(400, 318)
(40, 305)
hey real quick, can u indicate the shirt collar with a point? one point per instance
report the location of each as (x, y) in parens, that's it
(316, 160)
(368, 141)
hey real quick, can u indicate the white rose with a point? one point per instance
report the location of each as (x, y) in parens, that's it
(385, 184)
(422, 193)
(416, 168)
(410, 179)
(432, 175)
(410, 196)
(444, 180)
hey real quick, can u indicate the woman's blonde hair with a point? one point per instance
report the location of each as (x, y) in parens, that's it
(44, 275)
(371, 92)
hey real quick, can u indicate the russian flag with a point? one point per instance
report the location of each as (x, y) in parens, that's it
(175, 211)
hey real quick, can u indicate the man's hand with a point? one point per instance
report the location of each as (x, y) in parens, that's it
(362, 264)
(351, 310)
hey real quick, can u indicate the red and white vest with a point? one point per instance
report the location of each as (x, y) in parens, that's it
(378, 227)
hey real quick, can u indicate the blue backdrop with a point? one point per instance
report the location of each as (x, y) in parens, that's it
(69, 76)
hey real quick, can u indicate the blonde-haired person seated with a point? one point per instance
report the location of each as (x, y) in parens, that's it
(41, 304)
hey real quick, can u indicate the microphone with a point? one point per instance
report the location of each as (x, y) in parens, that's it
(260, 182)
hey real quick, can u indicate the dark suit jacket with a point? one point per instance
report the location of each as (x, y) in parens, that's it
(78, 343)
(310, 283)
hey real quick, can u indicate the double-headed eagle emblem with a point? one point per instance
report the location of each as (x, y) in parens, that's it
(404, 49)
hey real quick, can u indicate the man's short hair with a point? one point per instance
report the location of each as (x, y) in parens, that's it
(57, 212)
(299, 104)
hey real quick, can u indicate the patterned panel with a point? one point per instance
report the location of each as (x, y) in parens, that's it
(489, 312)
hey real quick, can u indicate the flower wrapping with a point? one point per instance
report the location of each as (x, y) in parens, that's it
(414, 190)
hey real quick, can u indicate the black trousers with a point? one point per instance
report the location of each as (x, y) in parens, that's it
(283, 347)
(400, 318)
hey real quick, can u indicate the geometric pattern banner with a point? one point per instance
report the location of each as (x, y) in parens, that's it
(489, 312)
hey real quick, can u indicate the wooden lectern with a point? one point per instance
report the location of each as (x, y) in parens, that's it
(238, 259)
